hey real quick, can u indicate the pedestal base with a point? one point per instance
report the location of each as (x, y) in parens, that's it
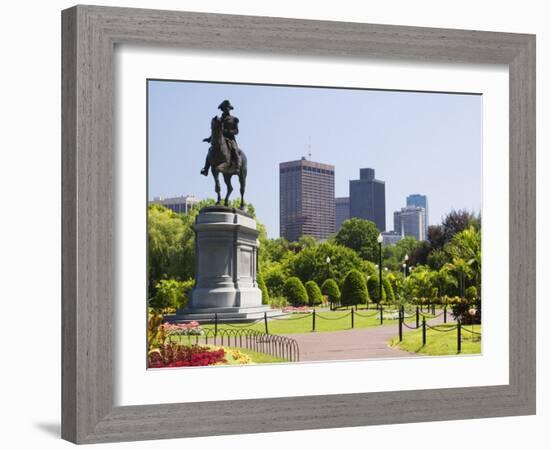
(224, 315)
(226, 264)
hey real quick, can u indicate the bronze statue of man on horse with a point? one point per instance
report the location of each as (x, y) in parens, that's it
(224, 155)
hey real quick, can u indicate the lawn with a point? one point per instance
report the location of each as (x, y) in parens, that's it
(440, 343)
(256, 357)
(325, 321)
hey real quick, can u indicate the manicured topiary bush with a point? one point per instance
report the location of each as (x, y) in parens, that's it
(388, 290)
(331, 290)
(373, 288)
(314, 296)
(354, 289)
(263, 288)
(295, 292)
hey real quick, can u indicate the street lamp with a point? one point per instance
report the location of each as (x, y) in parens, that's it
(380, 239)
(328, 266)
(328, 275)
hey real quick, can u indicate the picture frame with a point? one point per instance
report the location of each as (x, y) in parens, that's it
(89, 36)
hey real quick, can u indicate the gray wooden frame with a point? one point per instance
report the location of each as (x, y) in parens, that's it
(89, 36)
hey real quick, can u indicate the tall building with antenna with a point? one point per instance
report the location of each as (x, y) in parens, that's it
(306, 199)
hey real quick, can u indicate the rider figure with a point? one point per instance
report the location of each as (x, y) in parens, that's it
(230, 128)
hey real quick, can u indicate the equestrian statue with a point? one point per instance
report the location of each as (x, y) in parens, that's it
(224, 155)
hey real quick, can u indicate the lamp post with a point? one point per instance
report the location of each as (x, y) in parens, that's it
(380, 239)
(328, 276)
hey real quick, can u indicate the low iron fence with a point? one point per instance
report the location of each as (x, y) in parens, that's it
(438, 328)
(282, 347)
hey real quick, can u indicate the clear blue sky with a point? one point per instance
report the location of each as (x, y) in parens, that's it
(426, 143)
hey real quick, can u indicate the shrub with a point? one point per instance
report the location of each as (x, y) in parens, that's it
(314, 295)
(354, 289)
(331, 290)
(274, 277)
(278, 302)
(263, 288)
(295, 292)
(187, 287)
(373, 285)
(388, 290)
(471, 293)
(170, 294)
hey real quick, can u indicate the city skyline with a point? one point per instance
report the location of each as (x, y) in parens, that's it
(417, 142)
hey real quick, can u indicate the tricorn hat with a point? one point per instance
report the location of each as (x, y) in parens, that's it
(225, 104)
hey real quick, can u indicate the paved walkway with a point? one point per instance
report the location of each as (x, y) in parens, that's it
(362, 343)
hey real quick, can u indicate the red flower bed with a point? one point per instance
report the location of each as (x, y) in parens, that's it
(174, 355)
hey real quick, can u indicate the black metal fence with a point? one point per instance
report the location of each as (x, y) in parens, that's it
(282, 347)
(438, 328)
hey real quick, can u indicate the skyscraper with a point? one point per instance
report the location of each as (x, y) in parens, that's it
(422, 201)
(181, 204)
(306, 199)
(342, 210)
(367, 197)
(409, 221)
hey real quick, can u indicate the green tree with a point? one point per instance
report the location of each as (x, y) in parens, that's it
(393, 255)
(169, 255)
(462, 271)
(457, 221)
(263, 288)
(331, 290)
(295, 292)
(443, 280)
(274, 250)
(354, 289)
(437, 259)
(275, 275)
(361, 236)
(314, 295)
(170, 293)
(466, 246)
(326, 260)
(420, 285)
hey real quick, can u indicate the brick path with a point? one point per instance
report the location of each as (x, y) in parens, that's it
(363, 343)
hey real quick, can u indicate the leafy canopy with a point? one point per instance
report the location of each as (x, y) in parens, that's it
(361, 236)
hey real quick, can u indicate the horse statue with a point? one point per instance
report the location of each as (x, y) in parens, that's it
(220, 160)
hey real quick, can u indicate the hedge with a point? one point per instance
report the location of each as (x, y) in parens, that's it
(354, 289)
(295, 292)
(373, 288)
(314, 295)
(388, 290)
(331, 290)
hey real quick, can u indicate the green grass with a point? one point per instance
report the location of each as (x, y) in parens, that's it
(440, 343)
(326, 321)
(257, 358)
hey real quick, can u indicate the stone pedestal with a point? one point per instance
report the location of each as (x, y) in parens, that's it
(226, 263)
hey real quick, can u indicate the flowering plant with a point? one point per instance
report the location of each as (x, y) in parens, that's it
(182, 329)
(239, 357)
(175, 355)
(298, 309)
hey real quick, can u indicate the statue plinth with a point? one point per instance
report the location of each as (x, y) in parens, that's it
(226, 255)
